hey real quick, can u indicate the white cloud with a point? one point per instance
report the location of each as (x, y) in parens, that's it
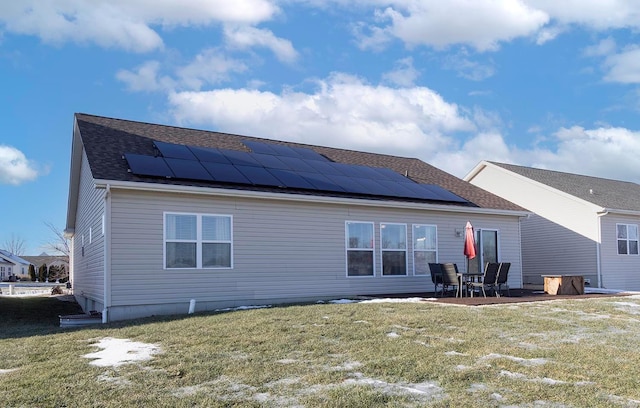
(15, 168)
(210, 67)
(125, 24)
(404, 73)
(606, 46)
(343, 112)
(145, 78)
(467, 68)
(598, 15)
(458, 160)
(624, 67)
(482, 24)
(609, 152)
(243, 37)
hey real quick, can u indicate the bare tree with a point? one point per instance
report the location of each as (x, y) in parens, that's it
(15, 245)
(59, 243)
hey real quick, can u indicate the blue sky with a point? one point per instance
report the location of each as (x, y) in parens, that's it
(550, 84)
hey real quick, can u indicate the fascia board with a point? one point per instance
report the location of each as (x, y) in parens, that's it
(480, 167)
(77, 150)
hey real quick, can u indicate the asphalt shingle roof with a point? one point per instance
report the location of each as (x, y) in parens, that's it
(105, 140)
(611, 194)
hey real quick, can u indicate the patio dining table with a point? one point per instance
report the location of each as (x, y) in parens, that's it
(468, 277)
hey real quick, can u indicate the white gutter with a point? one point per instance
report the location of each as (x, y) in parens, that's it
(606, 211)
(131, 185)
(107, 254)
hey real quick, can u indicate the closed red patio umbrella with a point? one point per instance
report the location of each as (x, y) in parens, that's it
(469, 243)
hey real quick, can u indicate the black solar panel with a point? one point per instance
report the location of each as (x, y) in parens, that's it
(188, 169)
(325, 167)
(321, 182)
(259, 176)
(278, 165)
(397, 189)
(297, 164)
(392, 175)
(442, 194)
(226, 173)
(148, 165)
(258, 147)
(348, 184)
(270, 161)
(309, 154)
(282, 150)
(373, 187)
(291, 179)
(174, 151)
(205, 154)
(240, 158)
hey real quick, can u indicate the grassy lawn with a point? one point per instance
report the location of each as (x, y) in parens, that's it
(558, 354)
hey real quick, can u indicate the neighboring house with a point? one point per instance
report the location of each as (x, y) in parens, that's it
(12, 265)
(160, 215)
(59, 261)
(582, 225)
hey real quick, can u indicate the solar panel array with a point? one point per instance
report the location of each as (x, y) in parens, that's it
(283, 166)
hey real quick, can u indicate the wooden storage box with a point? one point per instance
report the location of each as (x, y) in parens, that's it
(564, 284)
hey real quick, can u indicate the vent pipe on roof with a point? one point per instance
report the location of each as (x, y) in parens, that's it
(406, 173)
(590, 191)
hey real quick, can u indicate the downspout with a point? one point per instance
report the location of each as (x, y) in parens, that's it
(107, 254)
(599, 247)
(520, 252)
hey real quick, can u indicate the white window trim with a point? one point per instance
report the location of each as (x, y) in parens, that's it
(347, 249)
(413, 250)
(627, 239)
(199, 241)
(406, 251)
(90, 235)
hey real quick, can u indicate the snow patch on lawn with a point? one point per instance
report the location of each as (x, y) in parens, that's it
(116, 352)
(523, 361)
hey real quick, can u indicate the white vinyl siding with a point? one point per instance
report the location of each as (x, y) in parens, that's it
(562, 235)
(393, 247)
(360, 248)
(618, 271)
(88, 258)
(283, 251)
(197, 241)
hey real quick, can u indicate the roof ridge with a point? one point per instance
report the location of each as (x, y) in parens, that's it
(505, 165)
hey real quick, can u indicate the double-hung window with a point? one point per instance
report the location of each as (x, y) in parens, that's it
(198, 241)
(425, 247)
(393, 239)
(359, 237)
(627, 235)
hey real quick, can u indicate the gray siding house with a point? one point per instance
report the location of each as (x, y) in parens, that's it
(159, 216)
(581, 224)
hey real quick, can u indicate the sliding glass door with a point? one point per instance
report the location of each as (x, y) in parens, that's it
(486, 249)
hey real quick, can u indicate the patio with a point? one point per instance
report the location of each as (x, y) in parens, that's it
(517, 296)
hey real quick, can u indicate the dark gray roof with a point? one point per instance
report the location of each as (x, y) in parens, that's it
(105, 140)
(610, 194)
